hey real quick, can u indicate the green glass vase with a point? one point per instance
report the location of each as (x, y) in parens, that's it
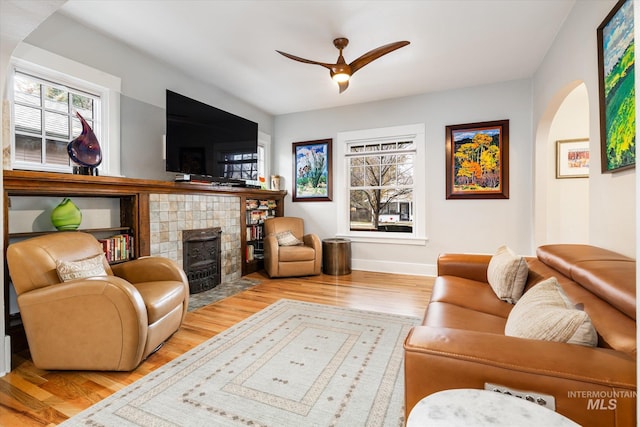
(66, 216)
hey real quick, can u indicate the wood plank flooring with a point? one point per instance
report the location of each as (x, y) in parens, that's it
(33, 397)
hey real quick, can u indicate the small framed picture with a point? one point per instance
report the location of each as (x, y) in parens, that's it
(572, 158)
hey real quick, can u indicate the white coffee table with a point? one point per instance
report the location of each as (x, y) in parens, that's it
(471, 407)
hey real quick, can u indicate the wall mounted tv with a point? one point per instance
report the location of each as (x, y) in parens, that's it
(208, 143)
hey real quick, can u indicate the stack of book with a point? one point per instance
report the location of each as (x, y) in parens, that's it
(118, 248)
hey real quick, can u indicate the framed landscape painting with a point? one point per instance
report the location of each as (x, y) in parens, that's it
(477, 156)
(616, 61)
(312, 171)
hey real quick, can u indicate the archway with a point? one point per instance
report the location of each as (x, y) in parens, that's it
(561, 206)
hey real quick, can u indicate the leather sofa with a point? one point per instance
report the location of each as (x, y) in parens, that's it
(461, 342)
(109, 321)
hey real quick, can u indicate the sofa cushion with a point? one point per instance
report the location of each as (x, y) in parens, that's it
(296, 253)
(546, 313)
(81, 269)
(507, 274)
(471, 294)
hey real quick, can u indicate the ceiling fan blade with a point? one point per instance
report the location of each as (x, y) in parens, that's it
(375, 54)
(306, 61)
(343, 86)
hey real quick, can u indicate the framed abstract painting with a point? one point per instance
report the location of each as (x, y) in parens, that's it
(616, 61)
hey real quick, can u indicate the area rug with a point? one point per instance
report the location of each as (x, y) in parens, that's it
(291, 364)
(223, 290)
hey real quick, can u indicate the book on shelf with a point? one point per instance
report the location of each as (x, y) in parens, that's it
(118, 248)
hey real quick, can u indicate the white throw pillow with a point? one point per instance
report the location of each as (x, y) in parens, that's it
(545, 313)
(507, 274)
(88, 267)
(286, 238)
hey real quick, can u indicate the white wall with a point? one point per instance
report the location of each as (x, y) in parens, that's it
(568, 199)
(452, 225)
(573, 59)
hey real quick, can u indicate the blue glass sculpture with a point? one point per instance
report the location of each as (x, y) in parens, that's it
(85, 150)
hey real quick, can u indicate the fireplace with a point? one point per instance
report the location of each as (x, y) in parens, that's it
(201, 258)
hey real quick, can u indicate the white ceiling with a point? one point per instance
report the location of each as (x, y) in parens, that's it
(232, 44)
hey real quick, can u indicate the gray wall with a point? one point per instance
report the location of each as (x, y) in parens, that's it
(452, 225)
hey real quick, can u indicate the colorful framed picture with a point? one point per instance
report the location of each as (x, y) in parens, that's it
(312, 181)
(477, 156)
(572, 158)
(616, 75)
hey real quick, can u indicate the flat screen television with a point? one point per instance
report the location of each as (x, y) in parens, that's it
(209, 143)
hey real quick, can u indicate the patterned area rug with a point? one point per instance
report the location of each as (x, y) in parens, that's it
(223, 290)
(291, 364)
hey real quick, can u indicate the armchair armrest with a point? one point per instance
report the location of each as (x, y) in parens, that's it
(468, 266)
(150, 269)
(313, 241)
(442, 358)
(98, 323)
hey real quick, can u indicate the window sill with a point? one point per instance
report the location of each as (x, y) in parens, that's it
(388, 239)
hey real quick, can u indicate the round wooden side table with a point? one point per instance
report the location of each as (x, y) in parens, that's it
(336, 256)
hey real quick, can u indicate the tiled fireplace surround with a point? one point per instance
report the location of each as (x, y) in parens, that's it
(170, 214)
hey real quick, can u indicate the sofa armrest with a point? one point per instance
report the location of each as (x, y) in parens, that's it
(150, 269)
(98, 323)
(314, 241)
(468, 266)
(442, 358)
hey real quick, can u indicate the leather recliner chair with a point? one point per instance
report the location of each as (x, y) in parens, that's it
(296, 260)
(108, 322)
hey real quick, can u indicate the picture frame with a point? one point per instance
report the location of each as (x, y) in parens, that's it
(616, 61)
(477, 160)
(312, 171)
(572, 158)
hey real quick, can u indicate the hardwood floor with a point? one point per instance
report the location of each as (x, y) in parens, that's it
(33, 397)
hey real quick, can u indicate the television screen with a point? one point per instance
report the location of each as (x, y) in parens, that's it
(206, 141)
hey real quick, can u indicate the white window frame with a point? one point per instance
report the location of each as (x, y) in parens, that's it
(62, 71)
(264, 142)
(415, 133)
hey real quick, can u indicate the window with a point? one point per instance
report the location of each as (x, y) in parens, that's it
(45, 121)
(380, 182)
(384, 184)
(46, 90)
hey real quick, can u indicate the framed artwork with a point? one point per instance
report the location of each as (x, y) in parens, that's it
(312, 180)
(616, 61)
(572, 158)
(477, 156)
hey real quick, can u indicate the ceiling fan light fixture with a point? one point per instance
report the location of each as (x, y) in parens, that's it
(340, 77)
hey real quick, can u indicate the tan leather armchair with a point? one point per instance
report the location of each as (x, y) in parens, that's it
(108, 323)
(287, 261)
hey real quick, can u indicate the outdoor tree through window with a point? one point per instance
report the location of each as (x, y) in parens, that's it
(381, 185)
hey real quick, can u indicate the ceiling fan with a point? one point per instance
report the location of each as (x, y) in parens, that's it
(341, 72)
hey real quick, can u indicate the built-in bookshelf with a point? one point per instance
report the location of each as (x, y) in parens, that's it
(257, 211)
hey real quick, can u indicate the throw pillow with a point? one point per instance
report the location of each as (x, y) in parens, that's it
(88, 267)
(507, 274)
(546, 313)
(286, 238)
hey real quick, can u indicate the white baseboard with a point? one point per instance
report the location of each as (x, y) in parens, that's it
(394, 267)
(6, 356)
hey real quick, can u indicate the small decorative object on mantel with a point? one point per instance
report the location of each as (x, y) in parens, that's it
(66, 216)
(85, 150)
(275, 182)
